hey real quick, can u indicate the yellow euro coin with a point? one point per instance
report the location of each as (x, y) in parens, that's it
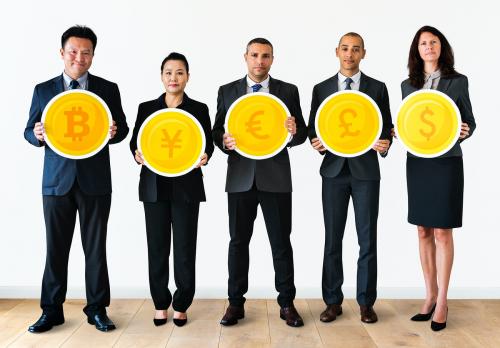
(348, 123)
(257, 123)
(171, 141)
(76, 124)
(428, 123)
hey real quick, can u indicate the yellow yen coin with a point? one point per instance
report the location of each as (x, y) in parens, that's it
(257, 123)
(171, 141)
(76, 124)
(348, 123)
(428, 123)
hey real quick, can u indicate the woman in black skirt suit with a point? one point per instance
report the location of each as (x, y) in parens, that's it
(435, 185)
(172, 201)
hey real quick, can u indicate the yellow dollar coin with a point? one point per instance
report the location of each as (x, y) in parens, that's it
(76, 124)
(171, 141)
(428, 123)
(348, 123)
(257, 123)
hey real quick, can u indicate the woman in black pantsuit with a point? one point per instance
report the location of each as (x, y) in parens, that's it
(435, 185)
(172, 202)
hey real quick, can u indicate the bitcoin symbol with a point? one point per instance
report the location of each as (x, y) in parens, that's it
(344, 124)
(252, 125)
(81, 123)
(171, 143)
(431, 133)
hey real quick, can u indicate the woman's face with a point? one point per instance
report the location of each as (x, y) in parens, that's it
(174, 76)
(429, 47)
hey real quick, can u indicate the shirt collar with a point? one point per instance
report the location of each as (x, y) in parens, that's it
(355, 78)
(265, 83)
(82, 81)
(433, 75)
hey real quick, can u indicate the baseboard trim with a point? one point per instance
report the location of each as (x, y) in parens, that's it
(262, 292)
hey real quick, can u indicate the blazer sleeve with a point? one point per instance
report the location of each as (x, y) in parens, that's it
(465, 107)
(220, 117)
(312, 114)
(35, 116)
(135, 132)
(387, 124)
(205, 123)
(296, 111)
(118, 115)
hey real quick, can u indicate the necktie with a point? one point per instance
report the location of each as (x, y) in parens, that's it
(348, 82)
(256, 87)
(74, 84)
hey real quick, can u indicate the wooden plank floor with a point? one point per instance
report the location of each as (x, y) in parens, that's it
(472, 323)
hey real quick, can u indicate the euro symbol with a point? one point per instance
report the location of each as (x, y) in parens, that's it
(253, 125)
(345, 125)
(75, 124)
(171, 143)
(424, 120)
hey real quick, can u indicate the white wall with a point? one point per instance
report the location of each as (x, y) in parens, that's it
(134, 37)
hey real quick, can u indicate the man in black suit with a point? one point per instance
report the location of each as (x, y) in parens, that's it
(357, 177)
(266, 182)
(70, 186)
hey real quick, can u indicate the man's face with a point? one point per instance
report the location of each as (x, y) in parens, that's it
(350, 52)
(77, 54)
(259, 58)
(429, 47)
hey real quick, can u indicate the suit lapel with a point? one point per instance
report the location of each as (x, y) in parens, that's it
(443, 84)
(90, 84)
(241, 87)
(363, 84)
(274, 87)
(334, 84)
(58, 86)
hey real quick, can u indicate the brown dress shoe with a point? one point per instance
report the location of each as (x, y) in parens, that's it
(330, 313)
(291, 316)
(233, 313)
(368, 315)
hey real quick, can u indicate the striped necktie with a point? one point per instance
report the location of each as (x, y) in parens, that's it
(256, 87)
(348, 82)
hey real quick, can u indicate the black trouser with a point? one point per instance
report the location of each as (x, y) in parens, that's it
(277, 211)
(182, 219)
(60, 218)
(365, 198)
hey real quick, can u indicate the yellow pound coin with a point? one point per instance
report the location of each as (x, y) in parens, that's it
(428, 123)
(76, 124)
(257, 123)
(348, 123)
(171, 141)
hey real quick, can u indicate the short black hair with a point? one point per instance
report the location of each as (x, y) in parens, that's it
(260, 40)
(81, 32)
(175, 56)
(353, 34)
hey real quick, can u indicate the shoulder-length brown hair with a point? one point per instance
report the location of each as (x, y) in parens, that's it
(446, 60)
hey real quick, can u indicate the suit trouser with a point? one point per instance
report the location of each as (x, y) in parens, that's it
(182, 218)
(365, 197)
(277, 211)
(60, 217)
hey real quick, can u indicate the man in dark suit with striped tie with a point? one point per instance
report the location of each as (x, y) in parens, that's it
(70, 186)
(356, 177)
(267, 182)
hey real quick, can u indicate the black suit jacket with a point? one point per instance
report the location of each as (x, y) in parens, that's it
(457, 88)
(363, 167)
(93, 173)
(272, 174)
(187, 187)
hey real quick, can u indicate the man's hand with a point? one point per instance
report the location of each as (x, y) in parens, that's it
(290, 125)
(112, 130)
(203, 160)
(138, 157)
(317, 145)
(228, 141)
(39, 131)
(464, 131)
(381, 146)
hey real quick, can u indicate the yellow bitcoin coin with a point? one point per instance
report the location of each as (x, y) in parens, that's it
(76, 124)
(428, 123)
(257, 123)
(348, 123)
(171, 141)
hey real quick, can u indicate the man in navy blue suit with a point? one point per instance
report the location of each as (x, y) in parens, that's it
(70, 186)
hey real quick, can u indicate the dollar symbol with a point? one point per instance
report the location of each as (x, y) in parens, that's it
(171, 142)
(346, 125)
(253, 125)
(80, 123)
(424, 120)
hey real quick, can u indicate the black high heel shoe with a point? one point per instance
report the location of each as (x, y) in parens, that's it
(159, 322)
(180, 322)
(424, 317)
(435, 326)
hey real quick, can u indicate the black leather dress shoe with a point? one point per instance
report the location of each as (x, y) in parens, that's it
(101, 322)
(45, 323)
(425, 316)
(368, 315)
(233, 313)
(291, 316)
(330, 313)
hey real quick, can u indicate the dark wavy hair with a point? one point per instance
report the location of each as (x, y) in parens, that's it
(446, 60)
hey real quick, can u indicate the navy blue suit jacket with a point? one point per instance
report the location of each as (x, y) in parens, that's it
(59, 173)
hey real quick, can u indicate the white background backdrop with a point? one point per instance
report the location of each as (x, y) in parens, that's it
(134, 37)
